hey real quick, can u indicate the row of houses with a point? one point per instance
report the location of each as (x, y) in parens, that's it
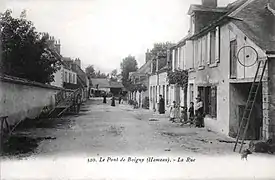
(70, 75)
(221, 53)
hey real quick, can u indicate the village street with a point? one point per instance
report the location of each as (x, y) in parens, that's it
(103, 129)
(61, 147)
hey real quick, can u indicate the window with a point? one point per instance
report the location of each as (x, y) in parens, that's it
(196, 50)
(209, 98)
(167, 94)
(66, 78)
(179, 58)
(192, 24)
(233, 59)
(204, 51)
(199, 52)
(191, 88)
(176, 58)
(70, 77)
(212, 46)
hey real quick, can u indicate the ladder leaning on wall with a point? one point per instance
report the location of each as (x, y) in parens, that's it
(250, 103)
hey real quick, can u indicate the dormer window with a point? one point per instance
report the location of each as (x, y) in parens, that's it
(192, 24)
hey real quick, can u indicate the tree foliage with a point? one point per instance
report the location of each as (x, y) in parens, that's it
(128, 64)
(137, 87)
(92, 73)
(178, 77)
(159, 52)
(113, 75)
(26, 52)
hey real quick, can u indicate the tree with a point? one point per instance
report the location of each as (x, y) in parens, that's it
(159, 52)
(128, 64)
(114, 75)
(90, 71)
(26, 53)
(178, 77)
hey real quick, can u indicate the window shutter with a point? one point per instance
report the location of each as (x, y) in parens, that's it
(208, 49)
(217, 57)
(214, 101)
(188, 56)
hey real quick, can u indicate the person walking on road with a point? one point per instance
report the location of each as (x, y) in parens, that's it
(113, 101)
(119, 100)
(104, 98)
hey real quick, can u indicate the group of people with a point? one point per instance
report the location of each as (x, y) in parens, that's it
(112, 99)
(194, 116)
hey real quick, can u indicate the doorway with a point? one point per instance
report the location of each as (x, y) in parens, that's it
(239, 93)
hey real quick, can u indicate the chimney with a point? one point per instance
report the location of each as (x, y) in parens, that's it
(78, 62)
(147, 55)
(57, 46)
(210, 3)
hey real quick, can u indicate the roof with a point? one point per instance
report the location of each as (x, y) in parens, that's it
(195, 7)
(102, 83)
(114, 84)
(258, 23)
(222, 20)
(105, 83)
(145, 68)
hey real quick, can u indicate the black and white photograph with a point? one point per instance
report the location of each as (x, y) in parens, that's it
(137, 89)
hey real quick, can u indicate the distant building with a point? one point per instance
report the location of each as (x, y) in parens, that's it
(104, 85)
(141, 77)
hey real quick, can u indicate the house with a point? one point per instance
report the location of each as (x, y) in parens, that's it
(116, 88)
(81, 77)
(99, 85)
(158, 84)
(65, 75)
(222, 52)
(141, 77)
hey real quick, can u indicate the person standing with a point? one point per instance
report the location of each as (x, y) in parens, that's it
(173, 112)
(113, 101)
(104, 98)
(191, 113)
(119, 100)
(199, 113)
(161, 105)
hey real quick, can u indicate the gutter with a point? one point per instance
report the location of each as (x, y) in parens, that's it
(270, 54)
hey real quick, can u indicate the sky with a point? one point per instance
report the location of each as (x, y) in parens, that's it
(103, 32)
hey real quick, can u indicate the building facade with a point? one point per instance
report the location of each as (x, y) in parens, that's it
(222, 60)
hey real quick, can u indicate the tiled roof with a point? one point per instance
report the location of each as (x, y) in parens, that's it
(114, 84)
(102, 83)
(145, 68)
(223, 19)
(195, 7)
(258, 23)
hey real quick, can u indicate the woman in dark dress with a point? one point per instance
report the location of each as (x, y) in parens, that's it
(104, 98)
(199, 113)
(161, 105)
(113, 101)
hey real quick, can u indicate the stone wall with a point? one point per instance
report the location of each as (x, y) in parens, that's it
(269, 121)
(21, 99)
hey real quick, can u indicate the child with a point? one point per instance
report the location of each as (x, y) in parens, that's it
(191, 113)
(183, 115)
(173, 112)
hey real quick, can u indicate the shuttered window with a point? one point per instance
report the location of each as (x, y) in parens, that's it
(213, 101)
